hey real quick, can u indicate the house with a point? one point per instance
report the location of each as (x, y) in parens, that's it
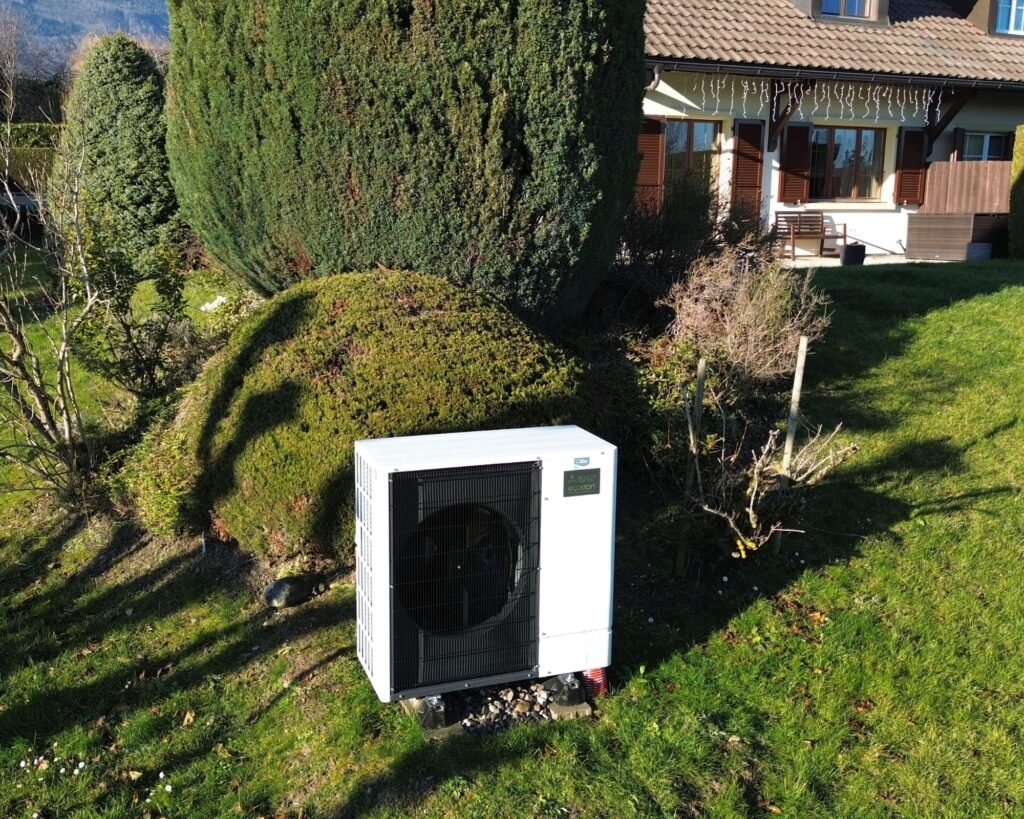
(890, 119)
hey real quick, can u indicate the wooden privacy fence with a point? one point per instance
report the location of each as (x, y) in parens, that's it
(967, 187)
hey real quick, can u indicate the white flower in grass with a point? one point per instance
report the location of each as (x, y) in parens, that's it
(167, 788)
(81, 765)
(23, 764)
(63, 770)
(161, 774)
(725, 579)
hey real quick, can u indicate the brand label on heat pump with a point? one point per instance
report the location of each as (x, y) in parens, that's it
(582, 482)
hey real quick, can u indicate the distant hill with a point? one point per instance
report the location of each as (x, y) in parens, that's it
(58, 26)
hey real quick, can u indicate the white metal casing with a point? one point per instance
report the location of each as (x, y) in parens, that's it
(577, 540)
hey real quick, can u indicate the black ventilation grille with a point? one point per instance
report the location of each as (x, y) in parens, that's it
(465, 552)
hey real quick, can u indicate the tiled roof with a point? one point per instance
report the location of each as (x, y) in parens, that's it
(926, 39)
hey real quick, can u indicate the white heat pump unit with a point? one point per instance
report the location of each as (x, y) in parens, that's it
(483, 558)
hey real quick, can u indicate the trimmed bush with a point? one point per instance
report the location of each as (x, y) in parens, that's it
(1017, 197)
(113, 146)
(34, 134)
(112, 171)
(263, 439)
(493, 143)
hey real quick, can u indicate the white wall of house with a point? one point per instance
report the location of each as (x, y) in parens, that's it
(880, 225)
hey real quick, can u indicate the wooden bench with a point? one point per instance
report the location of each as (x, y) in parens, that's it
(807, 226)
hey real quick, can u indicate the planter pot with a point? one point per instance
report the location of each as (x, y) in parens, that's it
(852, 254)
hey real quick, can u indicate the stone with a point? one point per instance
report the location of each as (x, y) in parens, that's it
(290, 591)
(564, 712)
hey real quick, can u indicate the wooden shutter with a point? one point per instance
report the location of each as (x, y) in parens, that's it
(911, 166)
(796, 164)
(748, 167)
(650, 180)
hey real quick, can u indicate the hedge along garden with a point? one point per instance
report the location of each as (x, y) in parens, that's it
(494, 144)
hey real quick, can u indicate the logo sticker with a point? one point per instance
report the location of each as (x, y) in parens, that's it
(582, 462)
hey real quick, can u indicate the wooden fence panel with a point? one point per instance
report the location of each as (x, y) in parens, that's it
(967, 187)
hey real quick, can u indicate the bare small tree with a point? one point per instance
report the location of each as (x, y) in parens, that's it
(46, 297)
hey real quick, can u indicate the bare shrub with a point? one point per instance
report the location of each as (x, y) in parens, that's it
(745, 312)
(745, 487)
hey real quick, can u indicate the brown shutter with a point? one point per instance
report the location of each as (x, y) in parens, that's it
(796, 164)
(650, 180)
(748, 167)
(911, 166)
(958, 144)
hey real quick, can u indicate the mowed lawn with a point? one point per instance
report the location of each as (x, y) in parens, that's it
(871, 668)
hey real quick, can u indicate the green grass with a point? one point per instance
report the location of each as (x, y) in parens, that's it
(872, 668)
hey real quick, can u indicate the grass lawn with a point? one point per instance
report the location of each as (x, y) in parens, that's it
(872, 668)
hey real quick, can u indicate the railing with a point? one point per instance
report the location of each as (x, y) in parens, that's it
(967, 187)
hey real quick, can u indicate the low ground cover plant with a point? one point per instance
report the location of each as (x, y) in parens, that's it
(263, 439)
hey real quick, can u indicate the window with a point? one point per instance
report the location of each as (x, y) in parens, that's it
(691, 147)
(846, 163)
(1010, 17)
(849, 8)
(979, 146)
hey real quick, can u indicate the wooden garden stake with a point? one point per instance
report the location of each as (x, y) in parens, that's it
(698, 417)
(693, 423)
(794, 413)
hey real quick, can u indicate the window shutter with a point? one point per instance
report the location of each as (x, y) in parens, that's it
(958, 144)
(796, 164)
(747, 166)
(650, 180)
(911, 166)
(1008, 149)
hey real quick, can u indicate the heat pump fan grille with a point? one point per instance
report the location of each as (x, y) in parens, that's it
(465, 554)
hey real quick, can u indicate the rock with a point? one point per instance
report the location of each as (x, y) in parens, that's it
(563, 712)
(290, 591)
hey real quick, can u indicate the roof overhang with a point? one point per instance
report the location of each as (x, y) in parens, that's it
(795, 73)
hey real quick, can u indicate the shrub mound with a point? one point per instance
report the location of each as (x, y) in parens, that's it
(492, 143)
(263, 439)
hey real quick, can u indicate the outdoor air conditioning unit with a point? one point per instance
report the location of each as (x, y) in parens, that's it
(483, 558)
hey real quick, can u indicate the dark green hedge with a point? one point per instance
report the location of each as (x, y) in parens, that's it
(1017, 197)
(34, 135)
(493, 143)
(264, 437)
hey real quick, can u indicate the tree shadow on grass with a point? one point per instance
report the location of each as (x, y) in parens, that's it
(33, 560)
(170, 586)
(658, 614)
(871, 323)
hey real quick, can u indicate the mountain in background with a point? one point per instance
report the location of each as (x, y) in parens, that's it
(56, 27)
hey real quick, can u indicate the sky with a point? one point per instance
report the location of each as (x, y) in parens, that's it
(57, 26)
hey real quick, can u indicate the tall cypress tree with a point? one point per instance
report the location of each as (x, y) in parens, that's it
(116, 209)
(492, 142)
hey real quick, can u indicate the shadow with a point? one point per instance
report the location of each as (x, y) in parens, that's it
(261, 412)
(139, 682)
(870, 323)
(433, 766)
(658, 614)
(33, 561)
